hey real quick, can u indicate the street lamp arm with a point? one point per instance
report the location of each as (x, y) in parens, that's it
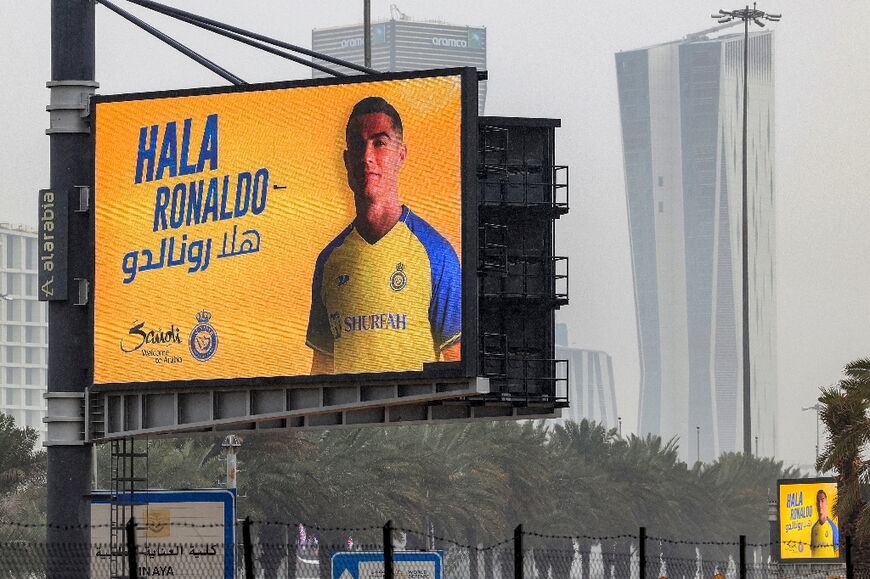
(747, 14)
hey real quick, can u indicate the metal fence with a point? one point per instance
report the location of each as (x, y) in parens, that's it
(276, 550)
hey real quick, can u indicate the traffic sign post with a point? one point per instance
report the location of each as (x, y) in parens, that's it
(370, 564)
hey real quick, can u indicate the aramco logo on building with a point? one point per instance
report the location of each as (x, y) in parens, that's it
(379, 36)
(475, 40)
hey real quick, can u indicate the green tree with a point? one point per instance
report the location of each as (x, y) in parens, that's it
(22, 483)
(740, 486)
(844, 412)
(174, 462)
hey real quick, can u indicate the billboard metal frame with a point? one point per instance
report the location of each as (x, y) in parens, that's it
(465, 373)
(804, 560)
(117, 415)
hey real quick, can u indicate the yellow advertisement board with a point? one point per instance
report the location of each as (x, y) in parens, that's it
(808, 528)
(290, 231)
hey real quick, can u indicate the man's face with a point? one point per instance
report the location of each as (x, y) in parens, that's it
(375, 154)
(822, 503)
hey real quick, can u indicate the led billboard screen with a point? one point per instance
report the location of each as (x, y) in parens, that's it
(808, 528)
(285, 230)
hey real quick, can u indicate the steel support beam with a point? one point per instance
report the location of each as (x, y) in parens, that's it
(69, 339)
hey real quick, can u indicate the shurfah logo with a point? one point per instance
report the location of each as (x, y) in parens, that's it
(203, 337)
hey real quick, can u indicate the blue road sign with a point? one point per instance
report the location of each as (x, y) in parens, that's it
(370, 565)
(155, 499)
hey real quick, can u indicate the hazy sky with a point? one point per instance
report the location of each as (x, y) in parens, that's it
(556, 59)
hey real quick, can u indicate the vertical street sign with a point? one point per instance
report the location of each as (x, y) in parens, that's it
(52, 246)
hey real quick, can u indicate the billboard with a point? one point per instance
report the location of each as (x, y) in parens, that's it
(315, 228)
(184, 533)
(808, 528)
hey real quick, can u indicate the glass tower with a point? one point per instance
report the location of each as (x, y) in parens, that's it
(682, 120)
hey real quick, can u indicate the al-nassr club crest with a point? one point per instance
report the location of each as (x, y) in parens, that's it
(203, 337)
(398, 280)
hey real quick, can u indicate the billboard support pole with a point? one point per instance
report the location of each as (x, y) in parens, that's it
(850, 568)
(248, 548)
(132, 562)
(742, 556)
(388, 550)
(69, 336)
(641, 553)
(518, 552)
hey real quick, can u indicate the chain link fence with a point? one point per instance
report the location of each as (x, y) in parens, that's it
(276, 550)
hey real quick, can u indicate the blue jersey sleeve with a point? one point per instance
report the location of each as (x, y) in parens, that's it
(445, 305)
(835, 534)
(319, 335)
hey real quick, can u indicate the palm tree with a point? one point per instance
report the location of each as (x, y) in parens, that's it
(457, 461)
(183, 462)
(844, 412)
(741, 485)
(591, 502)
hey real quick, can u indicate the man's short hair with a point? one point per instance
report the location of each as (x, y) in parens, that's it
(375, 104)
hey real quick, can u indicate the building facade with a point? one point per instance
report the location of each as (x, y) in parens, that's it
(681, 112)
(591, 387)
(400, 45)
(23, 330)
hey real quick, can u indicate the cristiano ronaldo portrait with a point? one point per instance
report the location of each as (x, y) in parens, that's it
(386, 293)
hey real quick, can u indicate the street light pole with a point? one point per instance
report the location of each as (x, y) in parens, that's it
(698, 442)
(746, 14)
(231, 446)
(367, 33)
(817, 407)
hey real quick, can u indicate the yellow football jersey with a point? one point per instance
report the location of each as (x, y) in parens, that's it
(388, 306)
(825, 540)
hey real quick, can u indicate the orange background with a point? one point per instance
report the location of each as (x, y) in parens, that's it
(259, 302)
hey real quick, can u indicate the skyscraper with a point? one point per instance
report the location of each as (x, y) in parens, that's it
(592, 391)
(681, 111)
(23, 330)
(401, 44)
(590, 381)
